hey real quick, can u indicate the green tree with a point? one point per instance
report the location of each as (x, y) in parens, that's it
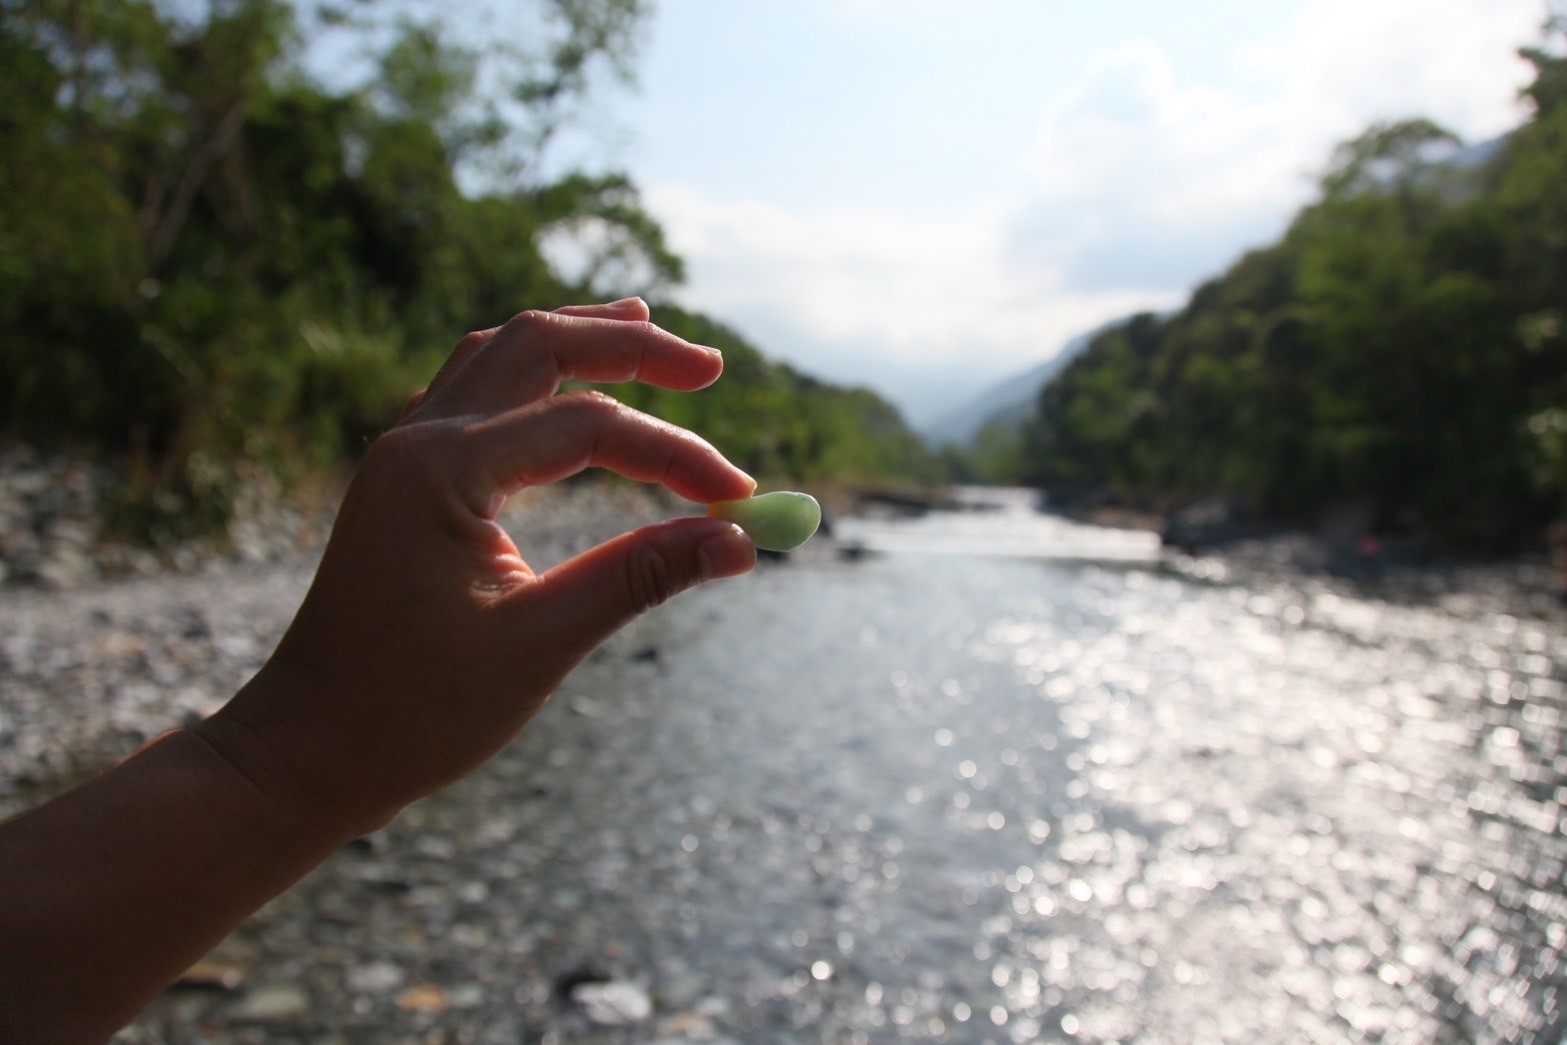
(1402, 346)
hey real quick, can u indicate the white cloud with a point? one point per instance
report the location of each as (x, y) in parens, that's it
(1142, 181)
(1144, 177)
(845, 273)
(1343, 62)
(896, 300)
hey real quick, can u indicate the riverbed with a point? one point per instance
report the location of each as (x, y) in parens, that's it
(976, 776)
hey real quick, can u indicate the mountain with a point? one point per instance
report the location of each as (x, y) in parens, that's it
(1477, 155)
(1009, 401)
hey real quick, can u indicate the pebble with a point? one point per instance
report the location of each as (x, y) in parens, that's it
(272, 1003)
(426, 998)
(213, 974)
(466, 996)
(379, 978)
(613, 1004)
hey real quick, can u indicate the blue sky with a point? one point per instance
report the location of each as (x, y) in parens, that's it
(925, 197)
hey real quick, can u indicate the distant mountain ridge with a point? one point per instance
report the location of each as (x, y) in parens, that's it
(1009, 401)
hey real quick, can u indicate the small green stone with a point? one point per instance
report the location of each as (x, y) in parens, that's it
(776, 522)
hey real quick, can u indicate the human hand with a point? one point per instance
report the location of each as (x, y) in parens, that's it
(426, 643)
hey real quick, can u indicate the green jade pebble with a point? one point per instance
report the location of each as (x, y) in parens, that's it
(776, 522)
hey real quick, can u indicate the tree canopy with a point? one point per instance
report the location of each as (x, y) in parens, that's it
(207, 253)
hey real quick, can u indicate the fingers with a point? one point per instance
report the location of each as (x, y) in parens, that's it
(548, 441)
(599, 591)
(527, 359)
(626, 309)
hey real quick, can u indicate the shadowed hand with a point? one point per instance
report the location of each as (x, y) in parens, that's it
(426, 642)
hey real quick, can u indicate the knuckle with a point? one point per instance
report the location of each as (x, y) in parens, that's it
(533, 319)
(594, 400)
(651, 579)
(401, 449)
(424, 449)
(393, 443)
(395, 457)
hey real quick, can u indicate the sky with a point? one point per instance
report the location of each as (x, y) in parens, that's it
(927, 196)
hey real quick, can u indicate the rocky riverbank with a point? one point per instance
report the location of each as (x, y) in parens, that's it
(54, 534)
(103, 646)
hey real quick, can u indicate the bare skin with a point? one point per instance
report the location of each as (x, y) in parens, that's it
(424, 647)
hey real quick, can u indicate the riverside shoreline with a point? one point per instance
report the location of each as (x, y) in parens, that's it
(1527, 584)
(1522, 586)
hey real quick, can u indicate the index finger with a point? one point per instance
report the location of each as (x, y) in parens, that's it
(626, 309)
(528, 359)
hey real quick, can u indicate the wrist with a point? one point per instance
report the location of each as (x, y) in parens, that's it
(268, 748)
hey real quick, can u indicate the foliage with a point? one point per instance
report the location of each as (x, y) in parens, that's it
(1402, 347)
(205, 254)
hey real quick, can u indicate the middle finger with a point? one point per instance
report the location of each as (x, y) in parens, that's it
(529, 357)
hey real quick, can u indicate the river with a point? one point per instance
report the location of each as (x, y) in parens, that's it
(1004, 779)
(999, 778)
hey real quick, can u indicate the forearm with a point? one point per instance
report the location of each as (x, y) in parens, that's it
(109, 892)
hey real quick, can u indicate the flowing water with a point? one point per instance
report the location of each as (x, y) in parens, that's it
(1003, 779)
(995, 778)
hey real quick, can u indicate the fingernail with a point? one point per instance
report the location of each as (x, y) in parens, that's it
(625, 304)
(727, 553)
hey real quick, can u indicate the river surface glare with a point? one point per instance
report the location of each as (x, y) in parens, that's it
(1006, 780)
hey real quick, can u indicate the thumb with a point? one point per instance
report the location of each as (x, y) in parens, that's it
(595, 594)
